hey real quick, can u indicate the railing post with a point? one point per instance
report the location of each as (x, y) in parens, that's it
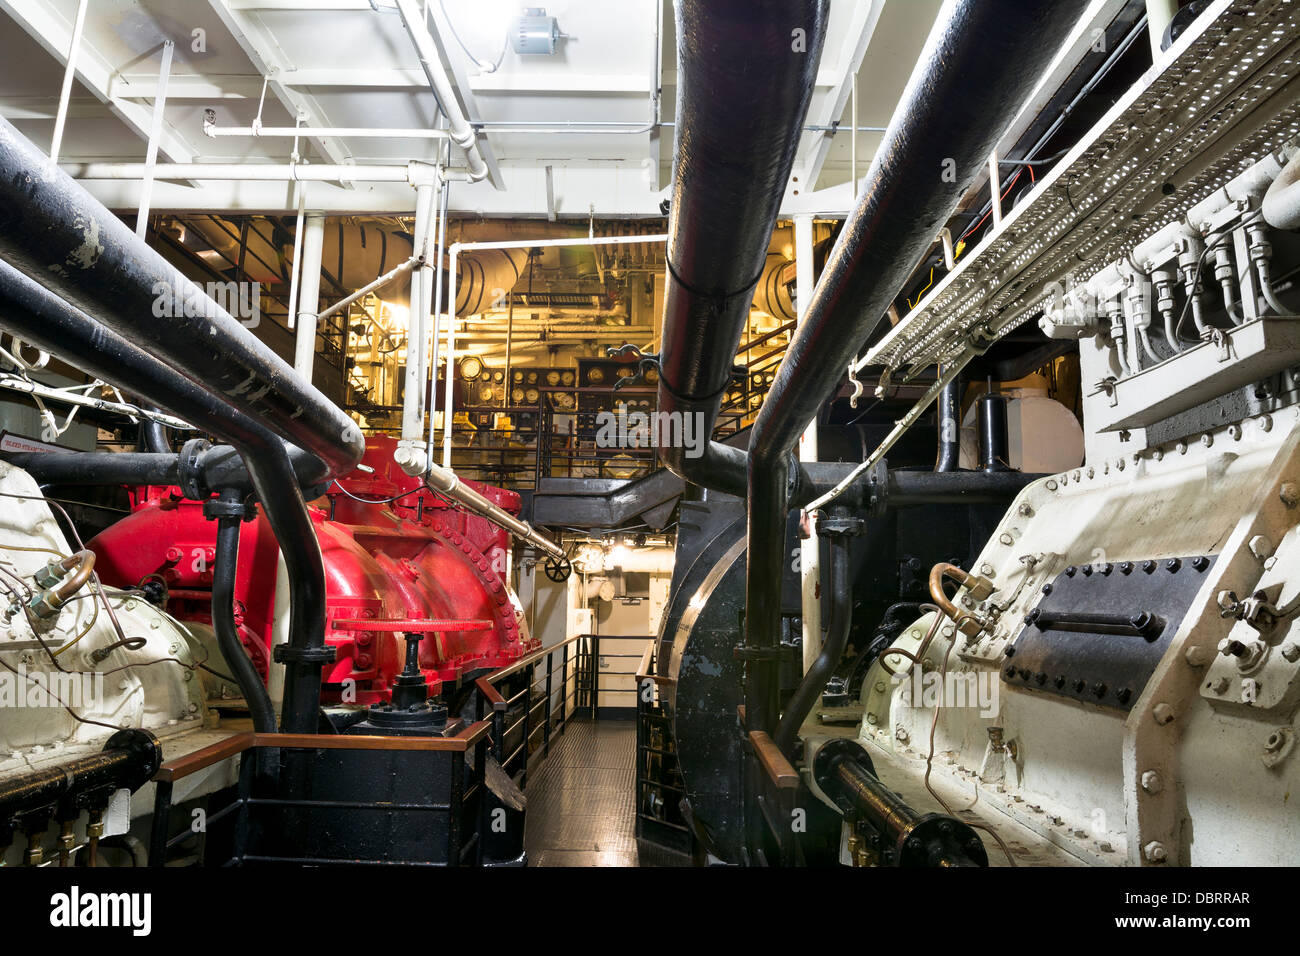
(531, 677)
(595, 676)
(564, 687)
(546, 729)
(499, 733)
(162, 808)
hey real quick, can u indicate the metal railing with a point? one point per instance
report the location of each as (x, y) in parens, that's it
(514, 719)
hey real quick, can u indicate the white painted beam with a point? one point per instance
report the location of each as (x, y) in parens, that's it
(40, 20)
(856, 39)
(260, 49)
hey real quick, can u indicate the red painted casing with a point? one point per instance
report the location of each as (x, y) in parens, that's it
(417, 557)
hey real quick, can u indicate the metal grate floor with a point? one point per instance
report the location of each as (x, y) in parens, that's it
(580, 800)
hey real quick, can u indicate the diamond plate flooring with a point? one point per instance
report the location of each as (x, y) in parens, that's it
(580, 799)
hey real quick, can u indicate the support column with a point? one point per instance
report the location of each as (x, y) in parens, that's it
(809, 549)
(313, 240)
(411, 456)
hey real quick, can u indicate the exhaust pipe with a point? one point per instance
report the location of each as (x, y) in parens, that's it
(743, 90)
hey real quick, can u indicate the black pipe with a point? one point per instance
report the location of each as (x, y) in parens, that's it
(949, 458)
(229, 511)
(96, 468)
(972, 77)
(214, 468)
(746, 71)
(42, 318)
(844, 772)
(994, 446)
(53, 230)
(129, 759)
(153, 435)
(838, 586)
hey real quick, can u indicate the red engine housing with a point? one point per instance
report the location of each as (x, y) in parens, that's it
(416, 557)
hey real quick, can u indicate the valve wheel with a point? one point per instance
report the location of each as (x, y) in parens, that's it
(558, 569)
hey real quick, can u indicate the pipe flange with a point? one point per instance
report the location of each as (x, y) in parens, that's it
(840, 524)
(832, 752)
(288, 654)
(145, 751)
(189, 469)
(216, 508)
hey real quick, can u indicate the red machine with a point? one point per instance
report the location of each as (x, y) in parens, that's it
(416, 556)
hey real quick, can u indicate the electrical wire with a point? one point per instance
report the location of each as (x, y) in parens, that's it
(484, 65)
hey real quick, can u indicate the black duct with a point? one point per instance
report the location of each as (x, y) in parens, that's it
(745, 75)
(979, 65)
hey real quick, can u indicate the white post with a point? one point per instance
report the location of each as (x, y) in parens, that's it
(995, 190)
(69, 73)
(155, 131)
(809, 549)
(309, 295)
(411, 455)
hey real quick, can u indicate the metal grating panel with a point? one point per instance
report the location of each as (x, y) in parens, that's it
(1230, 92)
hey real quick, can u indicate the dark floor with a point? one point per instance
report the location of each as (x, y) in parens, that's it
(580, 799)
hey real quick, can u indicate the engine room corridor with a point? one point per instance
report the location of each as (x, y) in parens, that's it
(580, 804)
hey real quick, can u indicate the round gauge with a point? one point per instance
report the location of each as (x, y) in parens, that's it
(769, 378)
(487, 394)
(532, 395)
(756, 380)
(755, 401)
(532, 378)
(517, 376)
(564, 401)
(652, 375)
(471, 368)
(567, 378)
(596, 376)
(552, 378)
(498, 376)
(517, 395)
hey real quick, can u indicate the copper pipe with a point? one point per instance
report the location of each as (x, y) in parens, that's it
(82, 565)
(937, 574)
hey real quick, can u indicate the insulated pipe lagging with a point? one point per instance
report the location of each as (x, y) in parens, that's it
(972, 77)
(746, 72)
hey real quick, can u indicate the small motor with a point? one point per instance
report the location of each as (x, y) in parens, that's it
(534, 32)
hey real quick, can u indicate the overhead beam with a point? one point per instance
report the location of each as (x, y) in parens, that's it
(40, 21)
(856, 40)
(258, 46)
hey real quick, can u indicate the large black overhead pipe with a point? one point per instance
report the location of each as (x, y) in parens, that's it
(54, 231)
(979, 64)
(745, 75)
(38, 316)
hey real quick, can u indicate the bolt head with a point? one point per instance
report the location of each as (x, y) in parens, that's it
(1155, 852)
(1162, 713)
(1151, 781)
